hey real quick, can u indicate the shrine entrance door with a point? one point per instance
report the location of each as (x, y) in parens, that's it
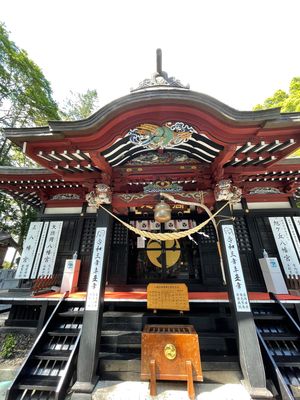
(167, 260)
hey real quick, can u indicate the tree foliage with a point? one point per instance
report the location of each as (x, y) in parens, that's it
(79, 106)
(288, 102)
(15, 217)
(25, 100)
(25, 93)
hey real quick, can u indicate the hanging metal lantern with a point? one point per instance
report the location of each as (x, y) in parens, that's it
(162, 212)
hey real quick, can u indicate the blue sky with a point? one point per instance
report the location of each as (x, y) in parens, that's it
(239, 52)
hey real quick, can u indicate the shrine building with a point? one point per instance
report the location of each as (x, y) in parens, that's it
(164, 160)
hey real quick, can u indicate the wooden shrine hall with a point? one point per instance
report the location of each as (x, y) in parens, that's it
(222, 184)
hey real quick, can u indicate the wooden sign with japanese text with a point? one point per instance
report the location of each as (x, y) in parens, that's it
(29, 250)
(50, 250)
(235, 269)
(167, 296)
(285, 246)
(297, 223)
(39, 251)
(93, 292)
(294, 235)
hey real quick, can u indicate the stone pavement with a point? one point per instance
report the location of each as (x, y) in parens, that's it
(112, 390)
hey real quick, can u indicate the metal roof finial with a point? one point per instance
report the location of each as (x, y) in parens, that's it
(159, 61)
(160, 78)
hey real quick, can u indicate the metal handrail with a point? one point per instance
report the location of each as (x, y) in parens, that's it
(274, 297)
(283, 388)
(64, 378)
(33, 348)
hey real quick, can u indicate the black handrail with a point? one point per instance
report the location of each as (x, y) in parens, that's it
(10, 390)
(274, 297)
(277, 377)
(65, 378)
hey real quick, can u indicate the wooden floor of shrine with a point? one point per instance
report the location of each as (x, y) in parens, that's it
(141, 296)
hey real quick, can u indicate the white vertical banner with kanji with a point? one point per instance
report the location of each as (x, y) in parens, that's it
(50, 249)
(294, 235)
(29, 250)
(285, 246)
(93, 292)
(297, 223)
(235, 269)
(39, 251)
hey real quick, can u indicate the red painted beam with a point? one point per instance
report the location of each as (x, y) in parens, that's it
(124, 200)
(224, 157)
(100, 162)
(251, 170)
(266, 198)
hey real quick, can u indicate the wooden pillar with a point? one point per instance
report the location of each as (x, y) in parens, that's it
(92, 321)
(248, 346)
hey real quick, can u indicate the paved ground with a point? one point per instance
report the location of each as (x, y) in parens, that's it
(168, 391)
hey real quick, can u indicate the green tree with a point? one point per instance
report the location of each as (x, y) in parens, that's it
(25, 93)
(288, 102)
(15, 217)
(25, 100)
(25, 96)
(79, 105)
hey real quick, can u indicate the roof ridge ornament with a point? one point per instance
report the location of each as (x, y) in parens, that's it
(160, 78)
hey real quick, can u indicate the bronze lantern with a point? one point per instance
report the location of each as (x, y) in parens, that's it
(162, 212)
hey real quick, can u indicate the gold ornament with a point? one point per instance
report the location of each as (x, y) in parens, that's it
(171, 256)
(170, 351)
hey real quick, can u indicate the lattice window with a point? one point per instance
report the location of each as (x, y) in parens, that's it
(68, 235)
(209, 230)
(265, 236)
(242, 235)
(88, 235)
(120, 234)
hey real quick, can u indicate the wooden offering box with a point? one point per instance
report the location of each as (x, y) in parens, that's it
(171, 352)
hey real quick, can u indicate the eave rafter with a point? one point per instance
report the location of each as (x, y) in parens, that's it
(64, 163)
(263, 153)
(252, 170)
(36, 186)
(285, 177)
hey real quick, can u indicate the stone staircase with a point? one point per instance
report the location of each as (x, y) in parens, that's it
(120, 348)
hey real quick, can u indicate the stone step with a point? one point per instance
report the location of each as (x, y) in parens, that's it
(119, 364)
(121, 316)
(130, 325)
(121, 348)
(120, 337)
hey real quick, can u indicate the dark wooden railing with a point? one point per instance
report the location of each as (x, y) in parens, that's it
(44, 283)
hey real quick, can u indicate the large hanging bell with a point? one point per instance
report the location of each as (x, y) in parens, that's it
(162, 212)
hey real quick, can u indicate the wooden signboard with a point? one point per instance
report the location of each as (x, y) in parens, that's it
(235, 268)
(29, 250)
(50, 249)
(93, 292)
(171, 352)
(285, 246)
(167, 296)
